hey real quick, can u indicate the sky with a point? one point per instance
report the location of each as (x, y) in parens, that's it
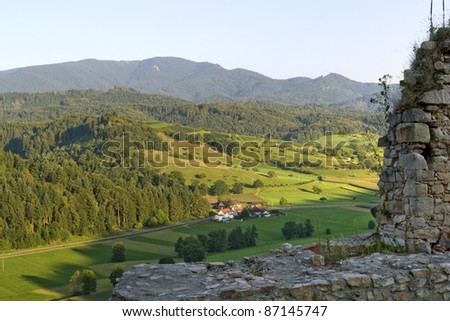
(360, 39)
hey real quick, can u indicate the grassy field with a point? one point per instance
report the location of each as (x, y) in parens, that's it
(44, 276)
(339, 184)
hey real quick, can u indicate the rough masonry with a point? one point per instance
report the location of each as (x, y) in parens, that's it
(415, 182)
(291, 273)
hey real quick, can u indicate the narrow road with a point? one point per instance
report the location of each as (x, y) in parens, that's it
(156, 229)
(99, 240)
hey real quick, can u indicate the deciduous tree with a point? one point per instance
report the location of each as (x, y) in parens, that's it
(118, 252)
(116, 272)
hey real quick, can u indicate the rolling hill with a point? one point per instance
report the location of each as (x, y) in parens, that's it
(194, 81)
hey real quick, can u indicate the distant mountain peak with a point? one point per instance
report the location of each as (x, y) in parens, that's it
(178, 77)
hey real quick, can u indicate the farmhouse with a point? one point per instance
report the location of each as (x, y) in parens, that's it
(225, 214)
(213, 201)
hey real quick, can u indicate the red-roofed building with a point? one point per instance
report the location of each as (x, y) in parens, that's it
(225, 214)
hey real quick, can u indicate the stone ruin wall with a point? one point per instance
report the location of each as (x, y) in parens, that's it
(291, 273)
(415, 182)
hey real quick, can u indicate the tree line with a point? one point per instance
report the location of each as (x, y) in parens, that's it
(293, 230)
(194, 248)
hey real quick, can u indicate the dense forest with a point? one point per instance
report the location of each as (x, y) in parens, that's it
(54, 186)
(303, 123)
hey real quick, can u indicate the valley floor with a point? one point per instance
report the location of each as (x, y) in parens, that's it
(44, 275)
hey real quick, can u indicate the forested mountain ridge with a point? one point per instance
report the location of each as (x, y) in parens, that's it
(301, 123)
(54, 185)
(187, 80)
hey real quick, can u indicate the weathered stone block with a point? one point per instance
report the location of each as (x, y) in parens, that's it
(337, 284)
(215, 265)
(416, 115)
(443, 208)
(439, 164)
(318, 260)
(287, 247)
(443, 177)
(413, 189)
(420, 175)
(418, 222)
(437, 134)
(412, 161)
(438, 278)
(382, 281)
(299, 291)
(402, 296)
(402, 278)
(436, 97)
(431, 234)
(356, 280)
(413, 133)
(421, 246)
(423, 293)
(400, 287)
(420, 273)
(438, 189)
(322, 285)
(393, 206)
(421, 206)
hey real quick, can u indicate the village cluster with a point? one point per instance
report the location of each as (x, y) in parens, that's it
(234, 210)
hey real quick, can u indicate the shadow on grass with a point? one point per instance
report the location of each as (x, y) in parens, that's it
(47, 288)
(95, 254)
(149, 240)
(61, 275)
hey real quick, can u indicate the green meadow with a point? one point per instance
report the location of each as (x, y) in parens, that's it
(45, 275)
(332, 197)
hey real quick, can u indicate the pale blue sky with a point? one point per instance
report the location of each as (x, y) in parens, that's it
(279, 38)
